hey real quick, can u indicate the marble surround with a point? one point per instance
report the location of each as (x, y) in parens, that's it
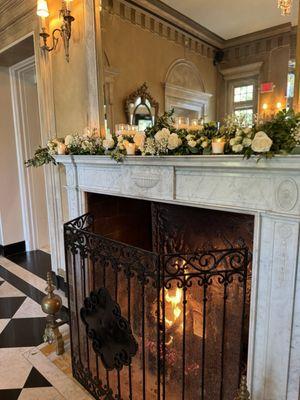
(269, 190)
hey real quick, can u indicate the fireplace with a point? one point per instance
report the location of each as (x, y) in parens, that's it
(159, 299)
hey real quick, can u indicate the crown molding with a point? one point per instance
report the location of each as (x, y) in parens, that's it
(260, 35)
(180, 21)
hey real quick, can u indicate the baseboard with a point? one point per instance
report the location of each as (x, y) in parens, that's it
(11, 249)
(60, 283)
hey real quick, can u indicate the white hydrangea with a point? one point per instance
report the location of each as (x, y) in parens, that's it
(238, 148)
(174, 141)
(192, 143)
(150, 147)
(247, 142)
(87, 145)
(108, 143)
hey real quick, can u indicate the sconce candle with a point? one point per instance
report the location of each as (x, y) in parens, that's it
(42, 9)
(218, 146)
(64, 31)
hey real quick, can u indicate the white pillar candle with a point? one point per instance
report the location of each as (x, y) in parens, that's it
(130, 149)
(218, 146)
(61, 149)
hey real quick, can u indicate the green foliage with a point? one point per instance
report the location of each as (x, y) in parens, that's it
(41, 157)
(279, 129)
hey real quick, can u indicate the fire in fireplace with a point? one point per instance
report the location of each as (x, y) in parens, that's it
(159, 300)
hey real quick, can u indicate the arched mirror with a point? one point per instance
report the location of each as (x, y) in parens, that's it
(141, 108)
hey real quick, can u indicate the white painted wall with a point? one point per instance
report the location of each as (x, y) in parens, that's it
(10, 203)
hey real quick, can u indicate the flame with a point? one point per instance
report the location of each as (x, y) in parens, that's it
(174, 301)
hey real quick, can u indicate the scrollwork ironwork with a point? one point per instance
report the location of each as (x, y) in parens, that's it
(110, 333)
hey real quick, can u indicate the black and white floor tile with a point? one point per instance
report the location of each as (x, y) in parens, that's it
(22, 324)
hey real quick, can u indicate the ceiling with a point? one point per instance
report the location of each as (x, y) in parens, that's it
(233, 18)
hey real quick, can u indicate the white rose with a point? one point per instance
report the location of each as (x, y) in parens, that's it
(139, 140)
(237, 148)
(162, 136)
(204, 144)
(192, 143)
(261, 142)
(232, 142)
(174, 141)
(247, 142)
(69, 140)
(108, 143)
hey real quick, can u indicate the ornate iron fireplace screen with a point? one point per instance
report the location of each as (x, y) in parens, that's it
(149, 326)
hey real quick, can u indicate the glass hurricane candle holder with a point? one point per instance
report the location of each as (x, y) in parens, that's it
(121, 129)
(195, 125)
(218, 145)
(182, 122)
(132, 130)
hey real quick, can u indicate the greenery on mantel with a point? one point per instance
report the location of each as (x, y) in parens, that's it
(266, 138)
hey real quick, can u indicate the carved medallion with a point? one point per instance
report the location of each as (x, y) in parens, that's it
(287, 194)
(146, 181)
(110, 333)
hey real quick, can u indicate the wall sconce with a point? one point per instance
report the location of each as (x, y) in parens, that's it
(64, 31)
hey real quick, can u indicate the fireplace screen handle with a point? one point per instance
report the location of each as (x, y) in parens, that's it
(111, 334)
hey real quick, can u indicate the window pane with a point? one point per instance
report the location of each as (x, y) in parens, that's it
(243, 93)
(246, 114)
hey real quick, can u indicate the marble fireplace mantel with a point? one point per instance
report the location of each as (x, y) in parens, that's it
(269, 190)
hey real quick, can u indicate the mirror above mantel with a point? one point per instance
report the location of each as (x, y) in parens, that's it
(141, 108)
(195, 62)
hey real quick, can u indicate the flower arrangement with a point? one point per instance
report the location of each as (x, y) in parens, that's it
(279, 135)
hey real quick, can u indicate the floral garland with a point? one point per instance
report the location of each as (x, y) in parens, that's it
(279, 135)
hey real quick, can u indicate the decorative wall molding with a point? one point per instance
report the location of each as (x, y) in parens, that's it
(242, 71)
(147, 19)
(250, 46)
(184, 88)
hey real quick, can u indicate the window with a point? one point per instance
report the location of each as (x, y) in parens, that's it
(243, 93)
(243, 102)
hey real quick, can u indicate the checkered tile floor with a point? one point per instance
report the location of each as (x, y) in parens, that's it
(22, 323)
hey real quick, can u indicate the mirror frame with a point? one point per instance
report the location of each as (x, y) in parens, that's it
(144, 94)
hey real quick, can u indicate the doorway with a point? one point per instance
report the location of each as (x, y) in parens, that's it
(29, 194)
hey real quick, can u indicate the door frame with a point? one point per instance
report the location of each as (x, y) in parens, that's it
(22, 140)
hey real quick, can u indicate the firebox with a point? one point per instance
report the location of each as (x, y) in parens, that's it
(159, 299)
